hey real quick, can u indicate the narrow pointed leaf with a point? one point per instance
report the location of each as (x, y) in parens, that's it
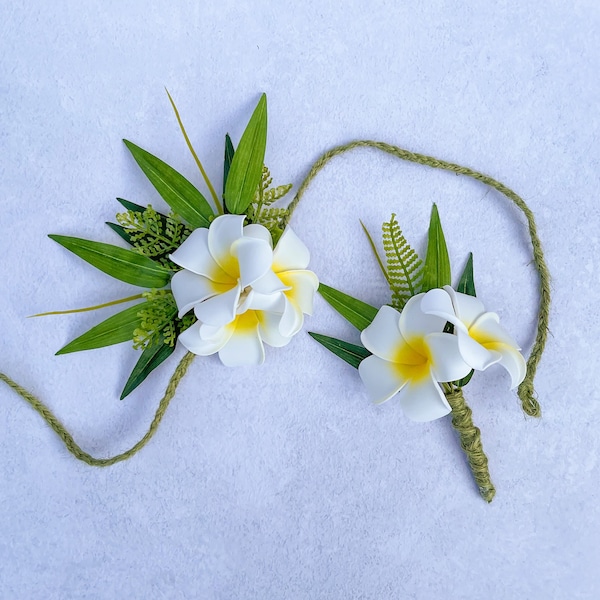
(229, 152)
(121, 231)
(462, 382)
(436, 271)
(131, 205)
(126, 265)
(358, 313)
(151, 358)
(175, 189)
(466, 285)
(247, 163)
(114, 330)
(351, 353)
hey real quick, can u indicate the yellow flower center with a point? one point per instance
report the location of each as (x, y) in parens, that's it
(412, 360)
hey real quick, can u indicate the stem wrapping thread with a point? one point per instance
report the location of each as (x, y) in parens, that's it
(470, 442)
(526, 390)
(73, 447)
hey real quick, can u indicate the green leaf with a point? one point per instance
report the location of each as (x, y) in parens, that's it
(404, 267)
(358, 313)
(114, 330)
(176, 190)
(246, 167)
(436, 271)
(466, 285)
(151, 358)
(120, 231)
(462, 382)
(126, 265)
(351, 353)
(131, 205)
(229, 152)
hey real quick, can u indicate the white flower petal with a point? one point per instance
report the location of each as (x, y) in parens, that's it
(193, 341)
(269, 283)
(438, 302)
(423, 401)
(474, 354)
(291, 319)
(487, 329)
(194, 256)
(302, 288)
(190, 289)
(219, 310)
(259, 232)
(290, 253)
(467, 308)
(414, 323)
(447, 363)
(270, 302)
(254, 257)
(269, 330)
(223, 232)
(382, 337)
(380, 378)
(513, 362)
(244, 347)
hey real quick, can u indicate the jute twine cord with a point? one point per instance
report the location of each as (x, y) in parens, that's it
(526, 390)
(470, 441)
(73, 447)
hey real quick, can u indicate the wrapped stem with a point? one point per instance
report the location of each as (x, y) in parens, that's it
(470, 441)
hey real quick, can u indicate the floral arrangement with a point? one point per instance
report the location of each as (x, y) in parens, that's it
(426, 345)
(226, 277)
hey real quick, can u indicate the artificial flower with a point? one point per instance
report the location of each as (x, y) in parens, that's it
(242, 292)
(481, 339)
(410, 356)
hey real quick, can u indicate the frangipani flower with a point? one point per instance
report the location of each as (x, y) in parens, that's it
(481, 339)
(239, 299)
(411, 354)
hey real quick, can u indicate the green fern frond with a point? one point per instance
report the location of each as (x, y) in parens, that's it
(158, 320)
(260, 210)
(154, 235)
(404, 267)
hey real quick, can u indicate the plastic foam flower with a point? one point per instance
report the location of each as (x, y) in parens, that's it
(242, 292)
(411, 355)
(481, 339)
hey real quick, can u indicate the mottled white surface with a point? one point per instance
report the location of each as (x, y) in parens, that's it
(284, 482)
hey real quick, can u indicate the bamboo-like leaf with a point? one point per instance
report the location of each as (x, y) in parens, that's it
(119, 230)
(246, 167)
(404, 267)
(131, 205)
(358, 313)
(436, 272)
(351, 353)
(151, 358)
(114, 330)
(466, 285)
(229, 152)
(462, 382)
(126, 265)
(175, 189)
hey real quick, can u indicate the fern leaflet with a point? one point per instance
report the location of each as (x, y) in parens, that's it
(404, 267)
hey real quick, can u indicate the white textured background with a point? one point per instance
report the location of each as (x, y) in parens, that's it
(284, 482)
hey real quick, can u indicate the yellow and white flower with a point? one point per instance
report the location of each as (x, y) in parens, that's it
(411, 355)
(481, 339)
(242, 292)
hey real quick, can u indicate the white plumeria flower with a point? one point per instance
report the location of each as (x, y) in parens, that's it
(411, 355)
(481, 339)
(240, 296)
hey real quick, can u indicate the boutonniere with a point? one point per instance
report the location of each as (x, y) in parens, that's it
(424, 347)
(221, 276)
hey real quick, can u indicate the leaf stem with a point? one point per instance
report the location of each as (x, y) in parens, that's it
(374, 248)
(191, 148)
(78, 310)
